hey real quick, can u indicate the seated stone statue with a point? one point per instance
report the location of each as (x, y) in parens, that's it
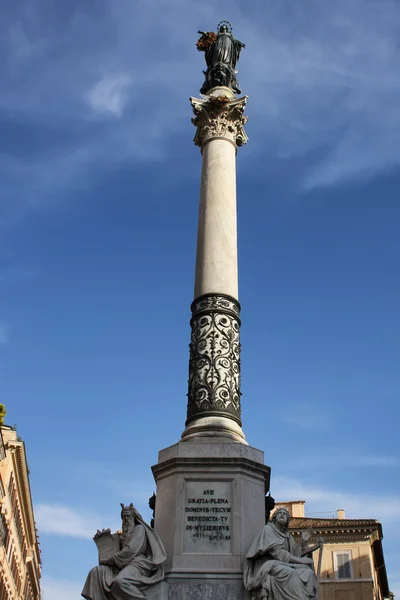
(276, 567)
(130, 561)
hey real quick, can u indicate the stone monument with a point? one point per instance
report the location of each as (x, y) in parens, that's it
(211, 485)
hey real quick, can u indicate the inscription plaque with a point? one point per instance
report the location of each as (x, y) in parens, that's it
(207, 517)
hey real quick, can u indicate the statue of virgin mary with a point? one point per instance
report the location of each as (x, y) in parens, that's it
(222, 52)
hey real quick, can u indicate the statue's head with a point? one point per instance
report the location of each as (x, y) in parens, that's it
(282, 517)
(224, 27)
(128, 512)
(129, 518)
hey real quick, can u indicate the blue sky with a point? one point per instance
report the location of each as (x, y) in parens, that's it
(98, 216)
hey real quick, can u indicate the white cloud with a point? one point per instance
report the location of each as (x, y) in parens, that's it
(61, 520)
(323, 83)
(15, 275)
(372, 461)
(385, 508)
(58, 589)
(329, 85)
(305, 417)
(351, 460)
(3, 333)
(110, 93)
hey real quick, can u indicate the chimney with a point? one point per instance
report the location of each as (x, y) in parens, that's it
(341, 514)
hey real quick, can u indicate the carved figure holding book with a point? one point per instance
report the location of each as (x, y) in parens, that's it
(276, 567)
(129, 561)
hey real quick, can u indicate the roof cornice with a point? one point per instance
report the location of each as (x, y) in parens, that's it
(17, 448)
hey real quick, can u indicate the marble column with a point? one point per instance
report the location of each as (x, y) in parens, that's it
(211, 485)
(214, 366)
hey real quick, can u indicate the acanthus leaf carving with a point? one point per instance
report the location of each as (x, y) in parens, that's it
(219, 117)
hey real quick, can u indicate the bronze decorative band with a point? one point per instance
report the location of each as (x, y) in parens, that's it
(214, 365)
(215, 302)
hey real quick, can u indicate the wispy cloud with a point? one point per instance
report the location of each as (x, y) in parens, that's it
(113, 476)
(15, 275)
(62, 520)
(109, 94)
(305, 417)
(328, 79)
(335, 460)
(60, 589)
(372, 461)
(323, 84)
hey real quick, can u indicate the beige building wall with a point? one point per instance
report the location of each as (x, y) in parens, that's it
(360, 584)
(295, 507)
(352, 565)
(19, 548)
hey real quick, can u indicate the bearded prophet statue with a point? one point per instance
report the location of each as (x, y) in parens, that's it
(276, 566)
(129, 561)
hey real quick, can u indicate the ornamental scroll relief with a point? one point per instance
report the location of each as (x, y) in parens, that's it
(219, 117)
(214, 365)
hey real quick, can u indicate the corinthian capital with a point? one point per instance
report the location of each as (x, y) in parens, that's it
(221, 117)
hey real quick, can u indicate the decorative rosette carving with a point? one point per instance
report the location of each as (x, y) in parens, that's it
(219, 117)
(214, 366)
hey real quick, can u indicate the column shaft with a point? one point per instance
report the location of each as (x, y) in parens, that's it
(214, 365)
(216, 260)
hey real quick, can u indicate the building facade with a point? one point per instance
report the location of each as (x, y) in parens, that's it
(352, 565)
(19, 548)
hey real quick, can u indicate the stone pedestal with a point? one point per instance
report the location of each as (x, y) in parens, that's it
(210, 506)
(159, 591)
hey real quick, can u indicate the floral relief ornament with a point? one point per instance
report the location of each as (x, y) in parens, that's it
(214, 365)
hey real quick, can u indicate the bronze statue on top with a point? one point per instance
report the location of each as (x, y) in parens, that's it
(222, 52)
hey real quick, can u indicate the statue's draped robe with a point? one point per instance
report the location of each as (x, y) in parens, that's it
(130, 571)
(225, 49)
(268, 568)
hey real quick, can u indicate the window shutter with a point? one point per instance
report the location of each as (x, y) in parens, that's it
(343, 565)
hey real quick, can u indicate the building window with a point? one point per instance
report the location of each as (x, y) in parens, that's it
(2, 449)
(4, 531)
(342, 563)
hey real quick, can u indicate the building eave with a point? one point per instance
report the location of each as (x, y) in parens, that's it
(338, 529)
(380, 567)
(33, 577)
(22, 476)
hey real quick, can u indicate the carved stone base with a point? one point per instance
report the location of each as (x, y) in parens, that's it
(159, 591)
(211, 590)
(210, 507)
(213, 427)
